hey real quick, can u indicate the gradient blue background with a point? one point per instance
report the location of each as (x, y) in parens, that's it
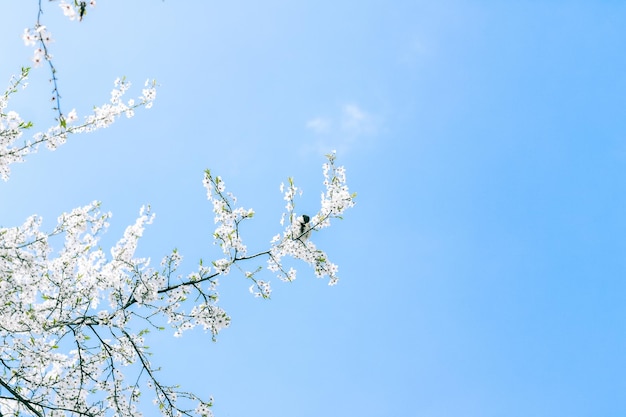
(483, 268)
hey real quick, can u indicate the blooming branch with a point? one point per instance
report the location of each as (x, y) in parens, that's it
(12, 126)
(73, 321)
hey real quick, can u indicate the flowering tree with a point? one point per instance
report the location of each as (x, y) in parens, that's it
(73, 319)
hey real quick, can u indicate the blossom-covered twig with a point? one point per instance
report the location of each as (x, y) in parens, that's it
(73, 322)
(40, 37)
(12, 126)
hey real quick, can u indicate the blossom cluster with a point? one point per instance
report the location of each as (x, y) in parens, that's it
(12, 126)
(68, 323)
(335, 200)
(76, 10)
(74, 320)
(227, 218)
(40, 38)
(39, 35)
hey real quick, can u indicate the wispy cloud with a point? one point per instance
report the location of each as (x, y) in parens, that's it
(352, 126)
(319, 125)
(356, 121)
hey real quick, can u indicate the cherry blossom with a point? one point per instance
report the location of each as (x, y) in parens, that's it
(75, 316)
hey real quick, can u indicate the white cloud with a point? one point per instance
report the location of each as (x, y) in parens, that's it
(319, 125)
(355, 121)
(351, 127)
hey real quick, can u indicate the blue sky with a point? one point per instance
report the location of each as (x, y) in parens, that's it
(482, 270)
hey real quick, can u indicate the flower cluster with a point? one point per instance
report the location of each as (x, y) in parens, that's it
(227, 218)
(12, 126)
(38, 35)
(204, 409)
(335, 200)
(74, 320)
(77, 9)
(60, 345)
(106, 114)
(40, 38)
(259, 288)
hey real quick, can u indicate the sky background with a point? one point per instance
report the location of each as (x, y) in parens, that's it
(483, 268)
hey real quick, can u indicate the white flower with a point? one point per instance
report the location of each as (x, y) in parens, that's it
(148, 96)
(222, 266)
(13, 119)
(72, 116)
(28, 37)
(43, 34)
(38, 56)
(68, 10)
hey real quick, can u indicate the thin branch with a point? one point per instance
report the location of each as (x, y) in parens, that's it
(21, 399)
